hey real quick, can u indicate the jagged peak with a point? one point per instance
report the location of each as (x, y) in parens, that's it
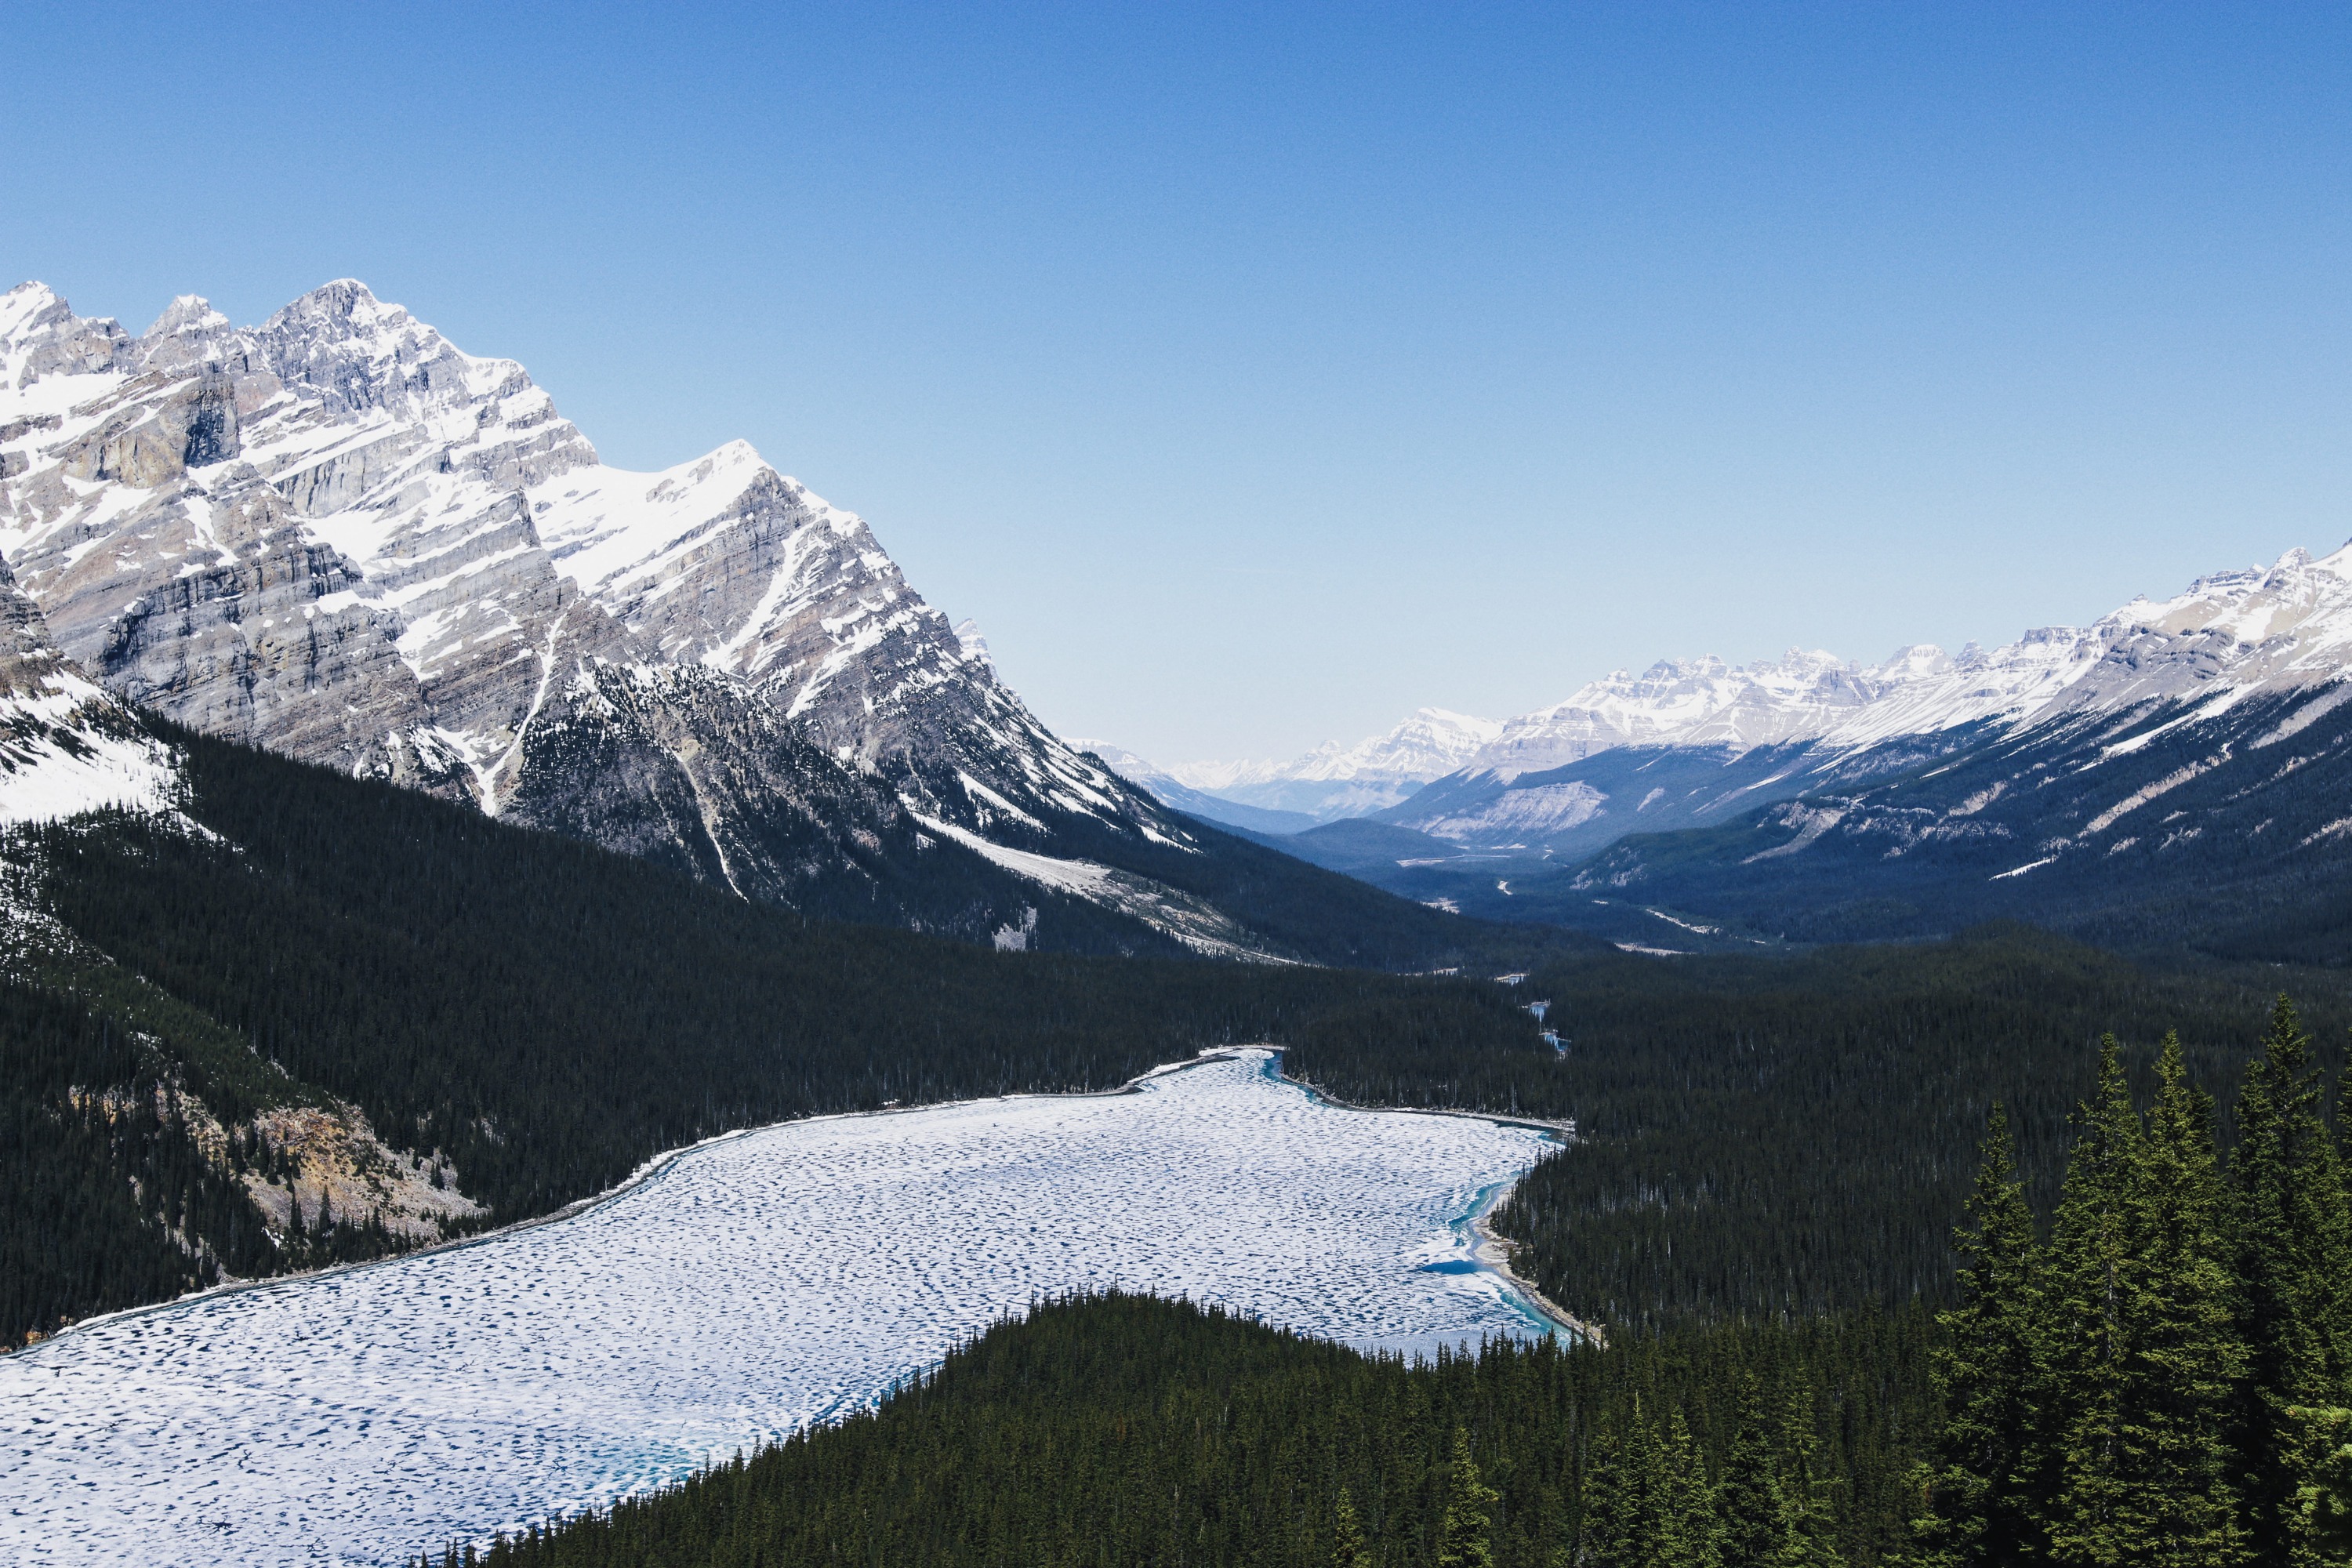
(187, 313)
(344, 308)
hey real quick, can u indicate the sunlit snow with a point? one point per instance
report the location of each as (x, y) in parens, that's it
(741, 1291)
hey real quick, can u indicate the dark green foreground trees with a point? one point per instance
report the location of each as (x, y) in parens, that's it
(1137, 1432)
(2153, 1382)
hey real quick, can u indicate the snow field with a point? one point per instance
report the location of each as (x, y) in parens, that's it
(749, 1286)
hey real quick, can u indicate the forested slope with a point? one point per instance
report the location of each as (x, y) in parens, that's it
(1793, 1135)
(2157, 1375)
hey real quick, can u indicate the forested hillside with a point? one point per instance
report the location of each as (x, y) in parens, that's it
(2155, 1376)
(531, 1017)
(1792, 1134)
(1758, 1206)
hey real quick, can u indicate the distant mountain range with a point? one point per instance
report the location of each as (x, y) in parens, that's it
(1327, 783)
(338, 536)
(1723, 795)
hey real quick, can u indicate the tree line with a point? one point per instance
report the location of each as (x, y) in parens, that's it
(1792, 1134)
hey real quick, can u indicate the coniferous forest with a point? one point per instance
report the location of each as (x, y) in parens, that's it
(1122, 1429)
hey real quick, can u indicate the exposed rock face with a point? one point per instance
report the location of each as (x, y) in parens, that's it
(338, 536)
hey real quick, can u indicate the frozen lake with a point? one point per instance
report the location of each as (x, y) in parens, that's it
(748, 1286)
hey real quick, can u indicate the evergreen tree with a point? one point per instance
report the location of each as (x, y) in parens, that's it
(1465, 1535)
(2325, 1497)
(1808, 1516)
(1750, 1502)
(2292, 1255)
(1981, 1499)
(1687, 1536)
(2081, 1474)
(1349, 1547)
(1621, 1493)
(2181, 1352)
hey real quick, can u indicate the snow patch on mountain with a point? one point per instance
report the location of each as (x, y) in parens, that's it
(55, 763)
(1534, 813)
(1192, 922)
(1335, 781)
(65, 746)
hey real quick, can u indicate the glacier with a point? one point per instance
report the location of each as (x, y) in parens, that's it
(732, 1293)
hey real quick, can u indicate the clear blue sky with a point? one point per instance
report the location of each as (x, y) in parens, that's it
(1255, 375)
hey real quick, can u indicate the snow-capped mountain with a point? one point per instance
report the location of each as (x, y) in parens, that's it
(1333, 781)
(2176, 773)
(339, 536)
(1688, 740)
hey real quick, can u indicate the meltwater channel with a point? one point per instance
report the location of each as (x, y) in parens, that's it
(742, 1289)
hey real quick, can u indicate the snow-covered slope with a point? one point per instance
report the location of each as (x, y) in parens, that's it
(339, 536)
(1335, 781)
(65, 746)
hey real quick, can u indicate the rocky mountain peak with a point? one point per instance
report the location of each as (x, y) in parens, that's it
(339, 535)
(188, 313)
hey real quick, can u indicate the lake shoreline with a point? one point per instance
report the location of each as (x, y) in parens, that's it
(1492, 1250)
(661, 1164)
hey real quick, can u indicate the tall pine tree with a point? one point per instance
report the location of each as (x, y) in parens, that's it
(1687, 1536)
(1750, 1500)
(1622, 1486)
(1982, 1503)
(2181, 1353)
(1465, 1535)
(2291, 1260)
(2081, 1473)
(1810, 1520)
(1349, 1547)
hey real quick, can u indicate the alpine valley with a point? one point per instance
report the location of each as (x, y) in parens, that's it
(555, 1016)
(2102, 780)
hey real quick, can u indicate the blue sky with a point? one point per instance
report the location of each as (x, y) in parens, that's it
(1257, 374)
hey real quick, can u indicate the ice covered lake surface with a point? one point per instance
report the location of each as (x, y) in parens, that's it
(747, 1288)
